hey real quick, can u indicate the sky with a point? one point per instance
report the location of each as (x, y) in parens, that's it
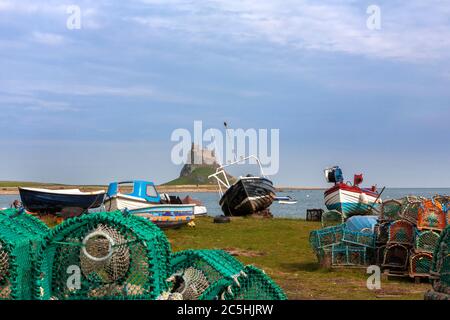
(100, 103)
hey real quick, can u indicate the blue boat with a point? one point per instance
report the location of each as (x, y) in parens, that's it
(142, 199)
(46, 201)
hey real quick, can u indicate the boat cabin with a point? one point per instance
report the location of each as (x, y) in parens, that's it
(138, 188)
(334, 175)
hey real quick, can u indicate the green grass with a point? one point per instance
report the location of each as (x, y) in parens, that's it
(15, 184)
(281, 248)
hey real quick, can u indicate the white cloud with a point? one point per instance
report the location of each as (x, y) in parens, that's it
(53, 106)
(27, 7)
(5, 5)
(32, 103)
(54, 9)
(50, 39)
(21, 93)
(411, 31)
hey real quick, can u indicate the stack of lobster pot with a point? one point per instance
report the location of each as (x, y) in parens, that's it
(348, 244)
(440, 270)
(407, 234)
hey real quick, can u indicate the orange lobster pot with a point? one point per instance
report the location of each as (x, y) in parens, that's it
(431, 216)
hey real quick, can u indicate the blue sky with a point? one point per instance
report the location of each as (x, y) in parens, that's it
(100, 103)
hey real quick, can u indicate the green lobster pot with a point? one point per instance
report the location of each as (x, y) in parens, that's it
(108, 256)
(20, 236)
(440, 269)
(215, 274)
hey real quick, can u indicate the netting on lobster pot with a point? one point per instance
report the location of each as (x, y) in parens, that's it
(379, 255)
(443, 202)
(401, 232)
(440, 269)
(20, 235)
(215, 274)
(332, 218)
(101, 255)
(433, 295)
(427, 241)
(364, 239)
(323, 238)
(390, 210)
(410, 208)
(396, 256)
(253, 284)
(431, 217)
(202, 274)
(381, 231)
(420, 264)
(347, 256)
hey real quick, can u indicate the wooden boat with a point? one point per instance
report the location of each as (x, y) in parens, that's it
(55, 201)
(248, 195)
(349, 199)
(142, 199)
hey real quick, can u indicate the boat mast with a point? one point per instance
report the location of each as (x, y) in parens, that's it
(225, 124)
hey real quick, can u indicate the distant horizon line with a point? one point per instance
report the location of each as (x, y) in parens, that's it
(292, 187)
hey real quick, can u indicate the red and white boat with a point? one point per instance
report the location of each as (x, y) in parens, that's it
(349, 199)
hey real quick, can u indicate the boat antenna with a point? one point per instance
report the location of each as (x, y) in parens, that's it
(379, 196)
(225, 124)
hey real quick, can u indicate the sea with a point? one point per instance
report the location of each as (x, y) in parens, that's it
(307, 199)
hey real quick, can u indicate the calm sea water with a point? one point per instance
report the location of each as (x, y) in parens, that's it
(307, 199)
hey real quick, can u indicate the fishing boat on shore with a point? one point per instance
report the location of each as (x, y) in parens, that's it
(347, 198)
(55, 201)
(248, 195)
(142, 199)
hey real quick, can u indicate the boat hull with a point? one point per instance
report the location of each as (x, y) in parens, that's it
(350, 200)
(51, 202)
(247, 196)
(200, 211)
(122, 202)
(167, 216)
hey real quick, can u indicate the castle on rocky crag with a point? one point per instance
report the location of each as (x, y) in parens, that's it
(201, 156)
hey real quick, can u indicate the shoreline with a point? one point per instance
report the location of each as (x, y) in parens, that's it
(161, 189)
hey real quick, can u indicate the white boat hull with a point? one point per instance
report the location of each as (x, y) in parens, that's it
(350, 202)
(200, 211)
(122, 202)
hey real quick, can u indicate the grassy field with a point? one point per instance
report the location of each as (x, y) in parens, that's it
(281, 248)
(15, 184)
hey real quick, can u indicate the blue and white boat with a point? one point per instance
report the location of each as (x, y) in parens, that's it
(349, 199)
(142, 199)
